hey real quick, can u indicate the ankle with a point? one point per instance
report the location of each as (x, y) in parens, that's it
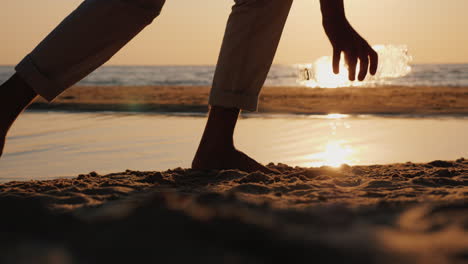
(215, 148)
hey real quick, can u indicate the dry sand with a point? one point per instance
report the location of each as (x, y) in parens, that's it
(296, 100)
(400, 213)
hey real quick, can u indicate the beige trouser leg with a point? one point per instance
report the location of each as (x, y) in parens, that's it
(252, 35)
(85, 40)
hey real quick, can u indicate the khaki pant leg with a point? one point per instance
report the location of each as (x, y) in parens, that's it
(252, 36)
(85, 40)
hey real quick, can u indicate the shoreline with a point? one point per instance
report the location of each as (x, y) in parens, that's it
(263, 115)
(412, 101)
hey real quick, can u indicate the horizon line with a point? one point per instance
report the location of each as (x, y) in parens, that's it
(274, 64)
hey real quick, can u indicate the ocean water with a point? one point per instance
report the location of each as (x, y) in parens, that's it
(455, 75)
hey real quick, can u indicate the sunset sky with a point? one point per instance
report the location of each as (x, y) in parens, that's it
(190, 32)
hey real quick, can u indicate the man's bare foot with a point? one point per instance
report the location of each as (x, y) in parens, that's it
(217, 151)
(227, 159)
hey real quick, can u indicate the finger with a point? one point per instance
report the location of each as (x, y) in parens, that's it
(363, 67)
(374, 61)
(351, 60)
(336, 60)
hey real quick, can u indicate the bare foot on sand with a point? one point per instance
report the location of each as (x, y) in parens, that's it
(217, 151)
(227, 159)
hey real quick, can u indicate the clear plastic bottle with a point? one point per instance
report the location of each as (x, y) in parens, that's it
(394, 62)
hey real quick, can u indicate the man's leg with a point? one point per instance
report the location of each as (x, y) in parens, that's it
(85, 40)
(15, 96)
(252, 35)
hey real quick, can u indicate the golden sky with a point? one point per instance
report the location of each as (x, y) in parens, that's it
(190, 32)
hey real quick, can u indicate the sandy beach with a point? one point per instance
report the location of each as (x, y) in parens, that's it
(394, 213)
(293, 100)
(399, 213)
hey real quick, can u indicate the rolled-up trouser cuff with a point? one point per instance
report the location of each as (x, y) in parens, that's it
(42, 85)
(229, 99)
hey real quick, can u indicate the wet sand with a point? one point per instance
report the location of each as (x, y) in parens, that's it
(294, 100)
(399, 213)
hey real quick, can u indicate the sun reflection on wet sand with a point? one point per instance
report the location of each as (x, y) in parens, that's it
(334, 153)
(336, 116)
(81, 142)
